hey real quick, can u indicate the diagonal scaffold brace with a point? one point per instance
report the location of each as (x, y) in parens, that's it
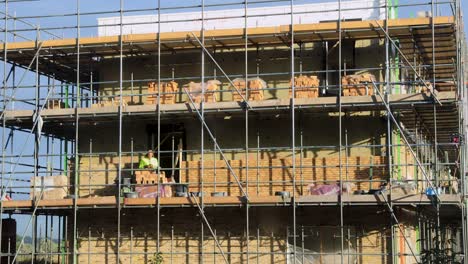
(383, 193)
(202, 213)
(403, 136)
(222, 71)
(407, 61)
(12, 96)
(216, 144)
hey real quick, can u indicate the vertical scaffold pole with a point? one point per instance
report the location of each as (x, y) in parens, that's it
(119, 168)
(2, 189)
(293, 132)
(340, 124)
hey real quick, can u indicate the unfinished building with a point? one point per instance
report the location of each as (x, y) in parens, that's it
(281, 132)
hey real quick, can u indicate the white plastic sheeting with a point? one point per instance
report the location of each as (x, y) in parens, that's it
(232, 18)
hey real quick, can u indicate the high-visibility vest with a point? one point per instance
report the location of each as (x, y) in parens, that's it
(144, 162)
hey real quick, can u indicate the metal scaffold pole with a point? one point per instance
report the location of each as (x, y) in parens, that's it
(293, 132)
(202, 131)
(2, 188)
(407, 53)
(120, 128)
(463, 117)
(77, 137)
(246, 62)
(340, 128)
(389, 146)
(158, 170)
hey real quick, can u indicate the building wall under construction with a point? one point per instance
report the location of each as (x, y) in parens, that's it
(270, 236)
(271, 64)
(269, 166)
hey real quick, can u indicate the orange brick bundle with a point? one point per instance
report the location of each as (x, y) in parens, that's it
(148, 177)
(195, 91)
(168, 92)
(305, 86)
(357, 84)
(255, 89)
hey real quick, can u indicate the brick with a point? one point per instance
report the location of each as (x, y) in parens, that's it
(256, 88)
(148, 177)
(180, 234)
(102, 170)
(305, 87)
(358, 84)
(168, 91)
(195, 91)
(276, 174)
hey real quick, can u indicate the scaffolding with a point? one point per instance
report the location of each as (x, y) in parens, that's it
(71, 102)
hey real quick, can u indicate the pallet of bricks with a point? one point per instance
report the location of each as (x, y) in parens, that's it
(305, 87)
(255, 89)
(357, 84)
(195, 91)
(168, 91)
(49, 187)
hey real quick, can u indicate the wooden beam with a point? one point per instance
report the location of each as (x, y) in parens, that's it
(227, 200)
(213, 34)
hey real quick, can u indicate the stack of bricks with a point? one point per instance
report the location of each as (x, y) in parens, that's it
(148, 177)
(112, 102)
(195, 91)
(305, 87)
(255, 89)
(55, 104)
(358, 84)
(168, 90)
(275, 175)
(147, 184)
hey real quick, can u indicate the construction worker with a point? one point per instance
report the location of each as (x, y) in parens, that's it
(149, 161)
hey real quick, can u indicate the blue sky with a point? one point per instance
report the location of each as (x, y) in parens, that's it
(46, 7)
